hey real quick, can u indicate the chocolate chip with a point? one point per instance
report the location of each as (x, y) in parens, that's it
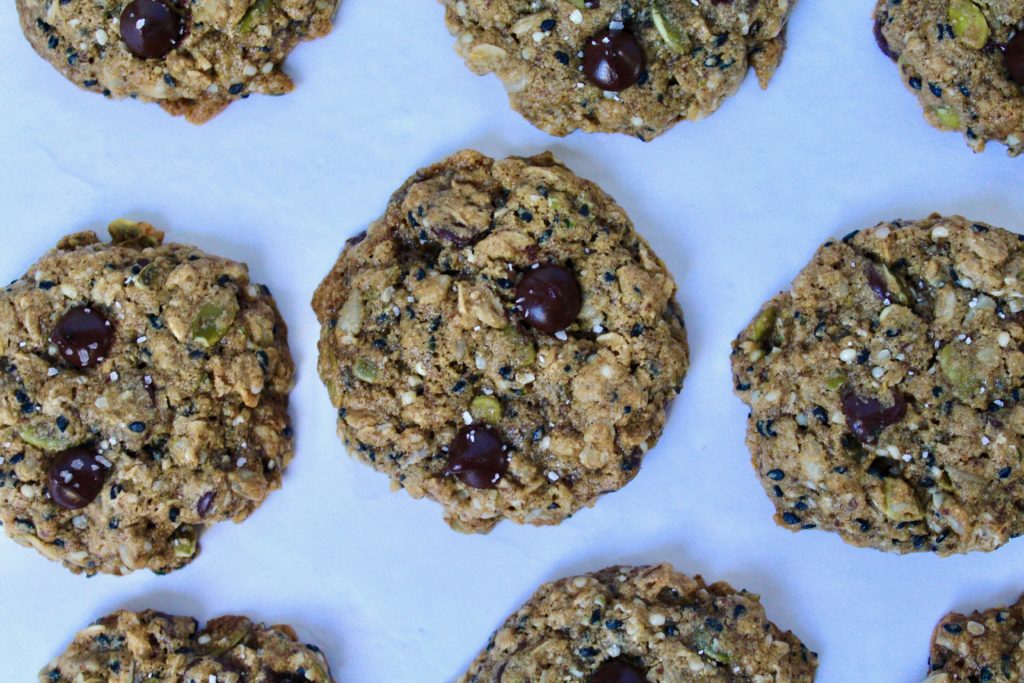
(150, 29)
(883, 44)
(549, 298)
(75, 478)
(205, 503)
(618, 671)
(866, 417)
(82, 337)
(613, 60)
(478, 457)
(1013, 56)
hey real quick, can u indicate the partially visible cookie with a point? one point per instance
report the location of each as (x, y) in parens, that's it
(193, 58)
(985, 646)
(886, 388)
(501, 341)
(143, 395)
(639, 624)
(160, 648)
(964, 60)
(624, 67)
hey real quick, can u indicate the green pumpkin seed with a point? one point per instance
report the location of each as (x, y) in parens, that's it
(486, 409)
(365, 369)
(212, 322)
(668, 30)
(947, 117)
(969, 24)
(253, 15)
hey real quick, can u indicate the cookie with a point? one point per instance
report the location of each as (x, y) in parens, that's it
(619, 67)
(501, 341)
(639, 624)
(885, 388)
(143, 395)
(964, 59)
(158, 647)
(193, 58)
(984, 646)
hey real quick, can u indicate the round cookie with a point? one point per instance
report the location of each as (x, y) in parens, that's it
(885, 388)
(964, 59)
(193, 58)
(501, 341)
(625, 67)
(640, 624)
(984, 646)
(143, 395)
(158, 647)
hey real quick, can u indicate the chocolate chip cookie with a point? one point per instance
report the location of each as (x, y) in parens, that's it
(143, 395)
(158, 647)
(984, 646)
(635, 67)
(501, 341)
(964, 59)
(193, 58)
(885, 388)
(639, 624)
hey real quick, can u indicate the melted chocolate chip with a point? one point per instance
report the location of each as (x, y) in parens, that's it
(82, 337)
(549, 298)
(150, 29)
(883, 44)
(618, 671)
(478, 457)
(75, 478)
(613, 60)
(1013, 56)
(866, 417)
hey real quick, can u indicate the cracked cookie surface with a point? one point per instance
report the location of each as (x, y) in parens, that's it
(153, 646)
(193, 58)
(984, 646)
(501, 341)
(639, 624)
(629, 67)
(964, 60)
(143, 395)
(885, 388)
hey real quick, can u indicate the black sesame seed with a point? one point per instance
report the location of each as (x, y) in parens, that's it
(137, 427)
(915, 83)
(62, 423)
(236, 88)
(952, 628)
(561, 57)
(47, 284)
(1005, 472)
(776, 475)
(547, 25)
(790, 518)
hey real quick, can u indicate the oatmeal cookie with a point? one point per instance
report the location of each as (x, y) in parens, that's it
(143, 395)
(501, 341)
(194, 58)
(157, 647)
(885, 388)
(964, 59)
(640, 624)
(635, 67)
(984, 646)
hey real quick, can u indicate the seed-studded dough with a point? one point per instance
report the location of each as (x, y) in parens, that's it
(951, 55)
(984, 646)
(696, 53)
(186, 414)
(885, 388)
(160, 648)
(419, 338)
(233, 48)
(661, 623)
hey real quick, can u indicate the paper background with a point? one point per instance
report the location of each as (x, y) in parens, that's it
(735, 204)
